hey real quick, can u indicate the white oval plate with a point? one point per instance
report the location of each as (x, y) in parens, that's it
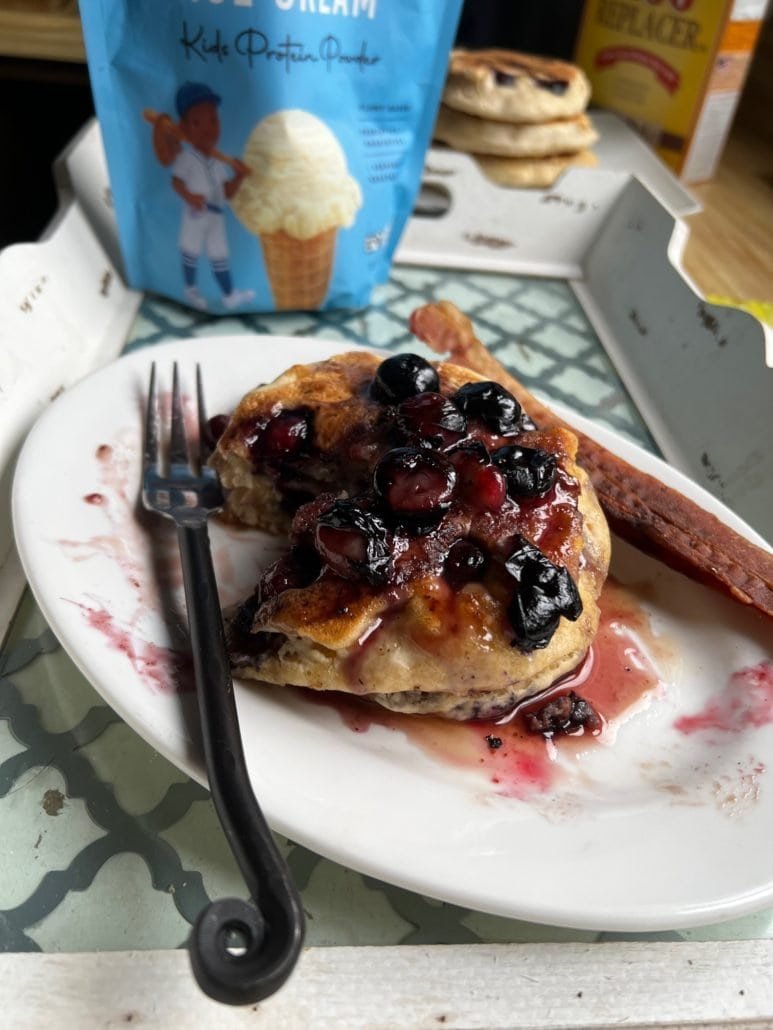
(659, 831)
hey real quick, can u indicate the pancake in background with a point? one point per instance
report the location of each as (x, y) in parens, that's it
(508, 86)
(474, 135)
(532, 172)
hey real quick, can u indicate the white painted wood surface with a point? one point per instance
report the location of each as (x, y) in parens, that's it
(623, 983)
(64, 311)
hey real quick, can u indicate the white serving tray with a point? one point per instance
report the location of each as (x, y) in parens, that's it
(64, 311)
(701, 375)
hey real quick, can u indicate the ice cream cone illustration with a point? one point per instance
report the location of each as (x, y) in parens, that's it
(299, 270)
(298, 196)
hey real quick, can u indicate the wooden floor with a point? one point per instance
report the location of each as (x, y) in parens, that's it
(730, 248)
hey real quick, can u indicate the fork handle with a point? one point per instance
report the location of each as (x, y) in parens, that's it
(273, 929)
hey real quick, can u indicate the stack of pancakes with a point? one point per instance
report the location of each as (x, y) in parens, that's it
(522, 116)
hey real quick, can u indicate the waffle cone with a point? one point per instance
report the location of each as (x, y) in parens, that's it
(298, 270)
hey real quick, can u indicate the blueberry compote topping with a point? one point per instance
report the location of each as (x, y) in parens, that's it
(403, 376)
(544, 593)
(479, 483)
(283, 438)
(430, 420)
(297, 568)
(242, 641)
(415, 483)
(214, 429)
(530, 472)
(353, 542)
(452, 500)
(568, 713)
(465, 562)
(491, 404)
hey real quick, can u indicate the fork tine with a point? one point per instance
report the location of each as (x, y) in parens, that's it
(205, 437)
(178, 446)
(150, 445)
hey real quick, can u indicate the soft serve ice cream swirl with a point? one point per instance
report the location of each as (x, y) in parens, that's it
(298, 183)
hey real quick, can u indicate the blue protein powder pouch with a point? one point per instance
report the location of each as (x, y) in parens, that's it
(265, 154)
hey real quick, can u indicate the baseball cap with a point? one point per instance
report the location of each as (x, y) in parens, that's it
(192, 93)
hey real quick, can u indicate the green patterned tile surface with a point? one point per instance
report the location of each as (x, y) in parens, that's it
(105, 844)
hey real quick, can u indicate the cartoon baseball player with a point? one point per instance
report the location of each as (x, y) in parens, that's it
(205, 182)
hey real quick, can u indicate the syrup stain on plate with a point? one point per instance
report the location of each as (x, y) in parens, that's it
(163, 668)
(144, 548)
(746, 703)
(624, 670)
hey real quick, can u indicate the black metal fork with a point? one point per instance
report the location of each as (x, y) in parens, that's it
(270, 931)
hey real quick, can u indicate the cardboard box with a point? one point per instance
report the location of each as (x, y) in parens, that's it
(674, 69)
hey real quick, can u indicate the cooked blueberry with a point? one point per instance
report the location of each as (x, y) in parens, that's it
(465, 562)
(503, 78)
(556, 86)
(480, 484)
(567, 595)
(525, 553)
(567, 713)
(239, 626)
(282, 438)
(353, 542)
(492, 404)
(244, 644)
(534, 617)
(401, 376)
(529, 471)
(415, 482)
(290, 499)
(545, 592)
(558, 585)
(297, 568)
(431, 420)
(214, 429)
(470, 449)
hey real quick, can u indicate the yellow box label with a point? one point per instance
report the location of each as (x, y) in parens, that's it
(650, 60)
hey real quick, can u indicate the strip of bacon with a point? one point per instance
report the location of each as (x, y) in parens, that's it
(639, 508)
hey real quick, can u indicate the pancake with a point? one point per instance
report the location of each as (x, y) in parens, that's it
(532, 172)
(508, 86)
(474, 135)
(333, 393)
(423, 530)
